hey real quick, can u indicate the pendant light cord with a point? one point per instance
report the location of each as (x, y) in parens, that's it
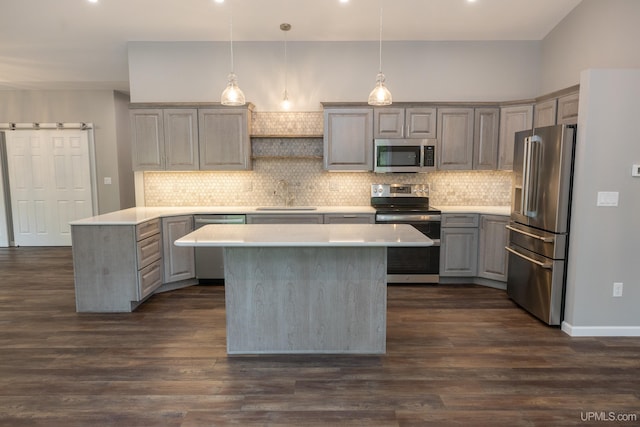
(285, 62)
(231, 34)
(380, 45)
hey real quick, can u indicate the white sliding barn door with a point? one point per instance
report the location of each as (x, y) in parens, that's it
(49, 183)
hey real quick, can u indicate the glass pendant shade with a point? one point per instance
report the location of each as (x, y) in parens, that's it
(286, 104)
(380, 95)
(232, 95)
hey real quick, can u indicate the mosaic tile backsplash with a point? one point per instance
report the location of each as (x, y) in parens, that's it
(287, 123)
(298, 163)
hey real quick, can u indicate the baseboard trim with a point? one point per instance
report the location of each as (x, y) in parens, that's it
(473, 280)
(600, 331)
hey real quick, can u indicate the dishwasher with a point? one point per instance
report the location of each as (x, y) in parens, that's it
(210, 261)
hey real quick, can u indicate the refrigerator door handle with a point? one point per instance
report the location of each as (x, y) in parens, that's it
(524, 197)
(546, 265)
(535, 236)
(533, 174)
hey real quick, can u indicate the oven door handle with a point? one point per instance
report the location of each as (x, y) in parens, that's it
(535, 236)
(546, 265)
(407, 217)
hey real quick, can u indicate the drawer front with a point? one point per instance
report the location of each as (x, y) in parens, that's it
(147, 229)
(459, 220)
(349, 218)
(149, 279)
(149, 250)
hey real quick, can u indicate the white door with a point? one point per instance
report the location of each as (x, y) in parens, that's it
(49, 183)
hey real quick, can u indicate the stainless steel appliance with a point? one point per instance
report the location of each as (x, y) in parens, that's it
(404, 155)
(209, 261)
(409, 204)
(539, 226)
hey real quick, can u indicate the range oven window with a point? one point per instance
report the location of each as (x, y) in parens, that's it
(413, 260)
(390, 155)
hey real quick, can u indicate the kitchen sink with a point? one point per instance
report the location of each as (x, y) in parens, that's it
(286, 208)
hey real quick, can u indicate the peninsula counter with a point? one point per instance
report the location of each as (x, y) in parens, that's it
(305, 288)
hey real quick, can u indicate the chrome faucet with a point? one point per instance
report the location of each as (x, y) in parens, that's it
(282, 191)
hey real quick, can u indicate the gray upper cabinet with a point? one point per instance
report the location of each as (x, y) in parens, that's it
(512, 119)
(147, 134)
(348, 139)
(568, 109)
(164, 139)
(181, 138)
(421, 122)
(388, 122)
(413, 122)
(544, 113)
(485, 138)
(224, 139)
(455, 138)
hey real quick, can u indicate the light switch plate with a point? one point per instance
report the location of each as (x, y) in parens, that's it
(608, 198)
(635, 171)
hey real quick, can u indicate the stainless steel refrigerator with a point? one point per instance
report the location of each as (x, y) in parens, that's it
(540, 215)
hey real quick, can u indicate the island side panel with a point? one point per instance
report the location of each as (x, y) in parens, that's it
(104, 264)
(306, 300)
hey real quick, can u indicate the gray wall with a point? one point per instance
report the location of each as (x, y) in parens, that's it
(415, 71)
(601, 36)
(97, 107)
(596, 34)
(604, 240)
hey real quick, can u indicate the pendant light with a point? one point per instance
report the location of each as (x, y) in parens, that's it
(232, 95)
(286, 104)
(380, 95)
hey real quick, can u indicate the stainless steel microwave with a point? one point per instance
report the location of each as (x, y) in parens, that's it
(404, 155)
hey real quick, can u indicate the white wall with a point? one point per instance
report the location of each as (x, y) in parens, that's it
(596, 34)
(604, 240)
(97, 107)
(317, 72)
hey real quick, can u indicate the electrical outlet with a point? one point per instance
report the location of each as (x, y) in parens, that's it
(617, 289)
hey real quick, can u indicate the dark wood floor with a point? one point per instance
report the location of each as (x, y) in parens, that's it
(456, 356)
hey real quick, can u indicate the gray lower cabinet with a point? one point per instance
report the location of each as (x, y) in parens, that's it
(286, 218)
(349, 218)
(348, 139)
(492, 255)
(459, 245)
(116, 266)
(179, 261)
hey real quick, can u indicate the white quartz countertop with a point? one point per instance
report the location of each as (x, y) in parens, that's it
(486, 210)
(272, 235)
(134, 216)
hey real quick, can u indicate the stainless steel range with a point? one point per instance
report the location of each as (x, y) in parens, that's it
(409, 204)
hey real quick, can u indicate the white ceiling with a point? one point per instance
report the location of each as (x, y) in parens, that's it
(61, 38)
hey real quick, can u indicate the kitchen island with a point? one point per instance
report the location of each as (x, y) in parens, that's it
(302, 288)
